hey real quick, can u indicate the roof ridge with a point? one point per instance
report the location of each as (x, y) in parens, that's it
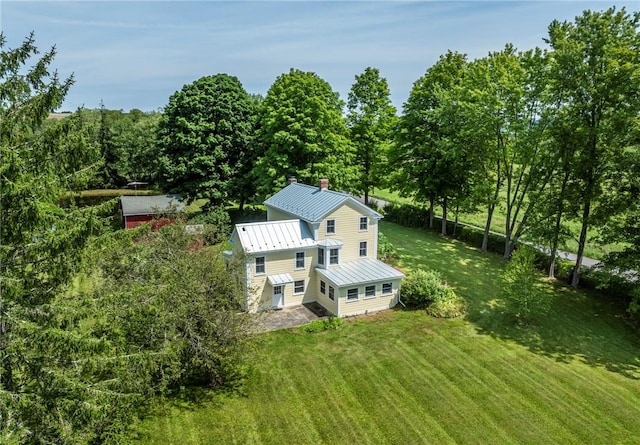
(256, 223)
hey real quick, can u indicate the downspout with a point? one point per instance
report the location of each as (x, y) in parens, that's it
(375, 241)
(247, 289)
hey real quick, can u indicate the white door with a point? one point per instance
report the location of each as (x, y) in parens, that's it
(278, 296)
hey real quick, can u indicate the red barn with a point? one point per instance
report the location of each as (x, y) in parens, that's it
(138, 210)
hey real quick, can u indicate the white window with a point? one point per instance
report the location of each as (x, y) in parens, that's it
(323, 288)
(364, 223)
(334, 256)
(299, 260)
(298, 287)
(387, 288)
(352, 294)
(363, 248)
(260, 265)
(331, 226)
(370, 291)
(321, 256)
(331, 293)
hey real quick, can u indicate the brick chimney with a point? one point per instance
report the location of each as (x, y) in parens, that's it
(292, 180)
(323, 184)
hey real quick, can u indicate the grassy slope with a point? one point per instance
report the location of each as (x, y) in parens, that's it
(479, 219)
(403, 377)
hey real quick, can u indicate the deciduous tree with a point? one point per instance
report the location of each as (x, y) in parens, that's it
(370, 119)
(433, 163)
(524, 299)
(303, 134)
(594, 69)
(204, 136)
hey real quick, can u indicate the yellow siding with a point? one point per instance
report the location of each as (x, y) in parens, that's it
(347, 219)
(370, 304)
(347, 222)
(331, 306)
(278, 215)
(261, 291)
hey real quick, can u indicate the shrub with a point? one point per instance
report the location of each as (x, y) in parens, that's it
(523, 298)
(331, 322)
(450, 307)
(386, 250)
(425, 289)
(420, 288)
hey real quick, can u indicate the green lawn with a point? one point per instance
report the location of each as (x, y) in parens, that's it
(402, 377)
(479, 219)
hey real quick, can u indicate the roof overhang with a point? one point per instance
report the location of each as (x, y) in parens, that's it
(277, 280)
(329, 242)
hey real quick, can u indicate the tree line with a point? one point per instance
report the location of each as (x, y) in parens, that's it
(549, 135)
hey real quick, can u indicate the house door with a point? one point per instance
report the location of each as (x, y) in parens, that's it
(278, 296)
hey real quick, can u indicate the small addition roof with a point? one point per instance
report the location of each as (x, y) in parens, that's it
(359, 272)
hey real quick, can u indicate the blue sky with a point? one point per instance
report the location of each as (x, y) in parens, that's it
(136, 54)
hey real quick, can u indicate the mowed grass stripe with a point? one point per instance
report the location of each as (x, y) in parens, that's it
(510, 407)
(436, 387)
(536, 380)
(520, 400)
(380, 384)
(288, 410)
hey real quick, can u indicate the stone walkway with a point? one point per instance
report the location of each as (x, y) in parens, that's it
(284, 318)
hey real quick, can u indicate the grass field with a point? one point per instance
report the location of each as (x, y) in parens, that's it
(402, 377)
(479, 219)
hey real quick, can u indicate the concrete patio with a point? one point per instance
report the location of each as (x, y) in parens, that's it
(289, 317)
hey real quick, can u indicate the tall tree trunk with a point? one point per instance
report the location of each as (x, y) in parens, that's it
(556, 228)
(508, 246)
(431, 212)
(487, 228)
(241, 204)
(581, 243)
(588, 196)
(366, 196)
(507, 224)
(444, 216)
(455, 223)
(491, 208)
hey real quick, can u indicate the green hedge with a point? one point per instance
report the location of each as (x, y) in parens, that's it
(413, 216)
